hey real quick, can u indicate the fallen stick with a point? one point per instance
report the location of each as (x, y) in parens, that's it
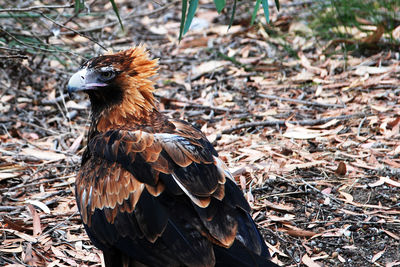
(282, 123)
(305, 102)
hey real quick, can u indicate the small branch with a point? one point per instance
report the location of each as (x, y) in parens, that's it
(196, 105)
(34, 8)
(339, 201)
(131, 15)
(14, 56)
(74, 31)
(27, 44)
(305, 102)
(282, 123)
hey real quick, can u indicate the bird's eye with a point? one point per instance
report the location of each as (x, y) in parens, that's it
(106, 75)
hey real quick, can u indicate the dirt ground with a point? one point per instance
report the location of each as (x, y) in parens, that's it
(309, 129)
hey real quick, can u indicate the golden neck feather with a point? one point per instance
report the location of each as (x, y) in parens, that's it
(138, 101)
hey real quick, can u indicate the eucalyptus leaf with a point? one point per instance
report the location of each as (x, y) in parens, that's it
(220, 4)
(256, 7)
(192, 9)
(232, 15)
(183, 18)
(266, 9)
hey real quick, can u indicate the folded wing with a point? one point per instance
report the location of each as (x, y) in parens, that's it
(167, 193)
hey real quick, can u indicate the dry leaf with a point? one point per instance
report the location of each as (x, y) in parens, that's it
(309, 262)
(341, 169)
(393, 235)
(291, 167)
(375, 36)
(362, 70)
(341, 259)
(209, 66)
(391, 264)
(377, 256)
(347, 196)
(278, 206)
(11, 249)
(37, 229)
(38, 204)
(301, 233)
(24, 236)
(42, 154)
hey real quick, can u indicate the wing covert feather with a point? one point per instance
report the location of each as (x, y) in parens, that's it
(130, 173)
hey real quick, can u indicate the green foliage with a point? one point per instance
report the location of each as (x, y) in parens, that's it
(337, 17)
(256, 7)
(220, 4)
(187, 15)
(233, 14)
(115, 8)
(183, 18)
(192, 9)
(79, 5)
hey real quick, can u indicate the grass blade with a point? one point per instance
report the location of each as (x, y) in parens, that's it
(233, 14)
(256, 7)
(192, 9)
(115, 8)
(183, 18)
(220, 4)
(266, 9)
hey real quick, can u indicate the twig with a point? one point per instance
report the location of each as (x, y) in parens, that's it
(133, 14)
(15, 56)
(305, 102)
(32, 46)
(352, 222)
(74, 31)
(56, 226)
(196, 105)
(7, 208)
(360, 126)
(35, 8)
(282, 123)
(339, 201)
(10, 49)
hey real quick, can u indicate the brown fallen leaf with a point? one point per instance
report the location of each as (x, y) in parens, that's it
(306, 64)
(341, 169)
(291, 167)
(37, 229)
(42, 154)
(26, 237)
(12, 249)
(280, 207)
(393, 235)
(375, 36)
(298, 232)
(309, 262)
(377, 256)
(384, 180)
(347, 196)
(391, 264)
(341, 259)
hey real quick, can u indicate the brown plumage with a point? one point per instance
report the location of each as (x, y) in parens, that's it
(152, 190)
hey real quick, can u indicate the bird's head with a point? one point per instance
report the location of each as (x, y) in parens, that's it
(118, 85)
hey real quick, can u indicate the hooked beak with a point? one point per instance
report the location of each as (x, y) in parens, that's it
(83, 80)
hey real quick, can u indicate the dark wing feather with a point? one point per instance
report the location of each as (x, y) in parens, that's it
(164, 199)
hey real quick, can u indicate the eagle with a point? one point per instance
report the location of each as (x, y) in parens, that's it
(151, 190)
